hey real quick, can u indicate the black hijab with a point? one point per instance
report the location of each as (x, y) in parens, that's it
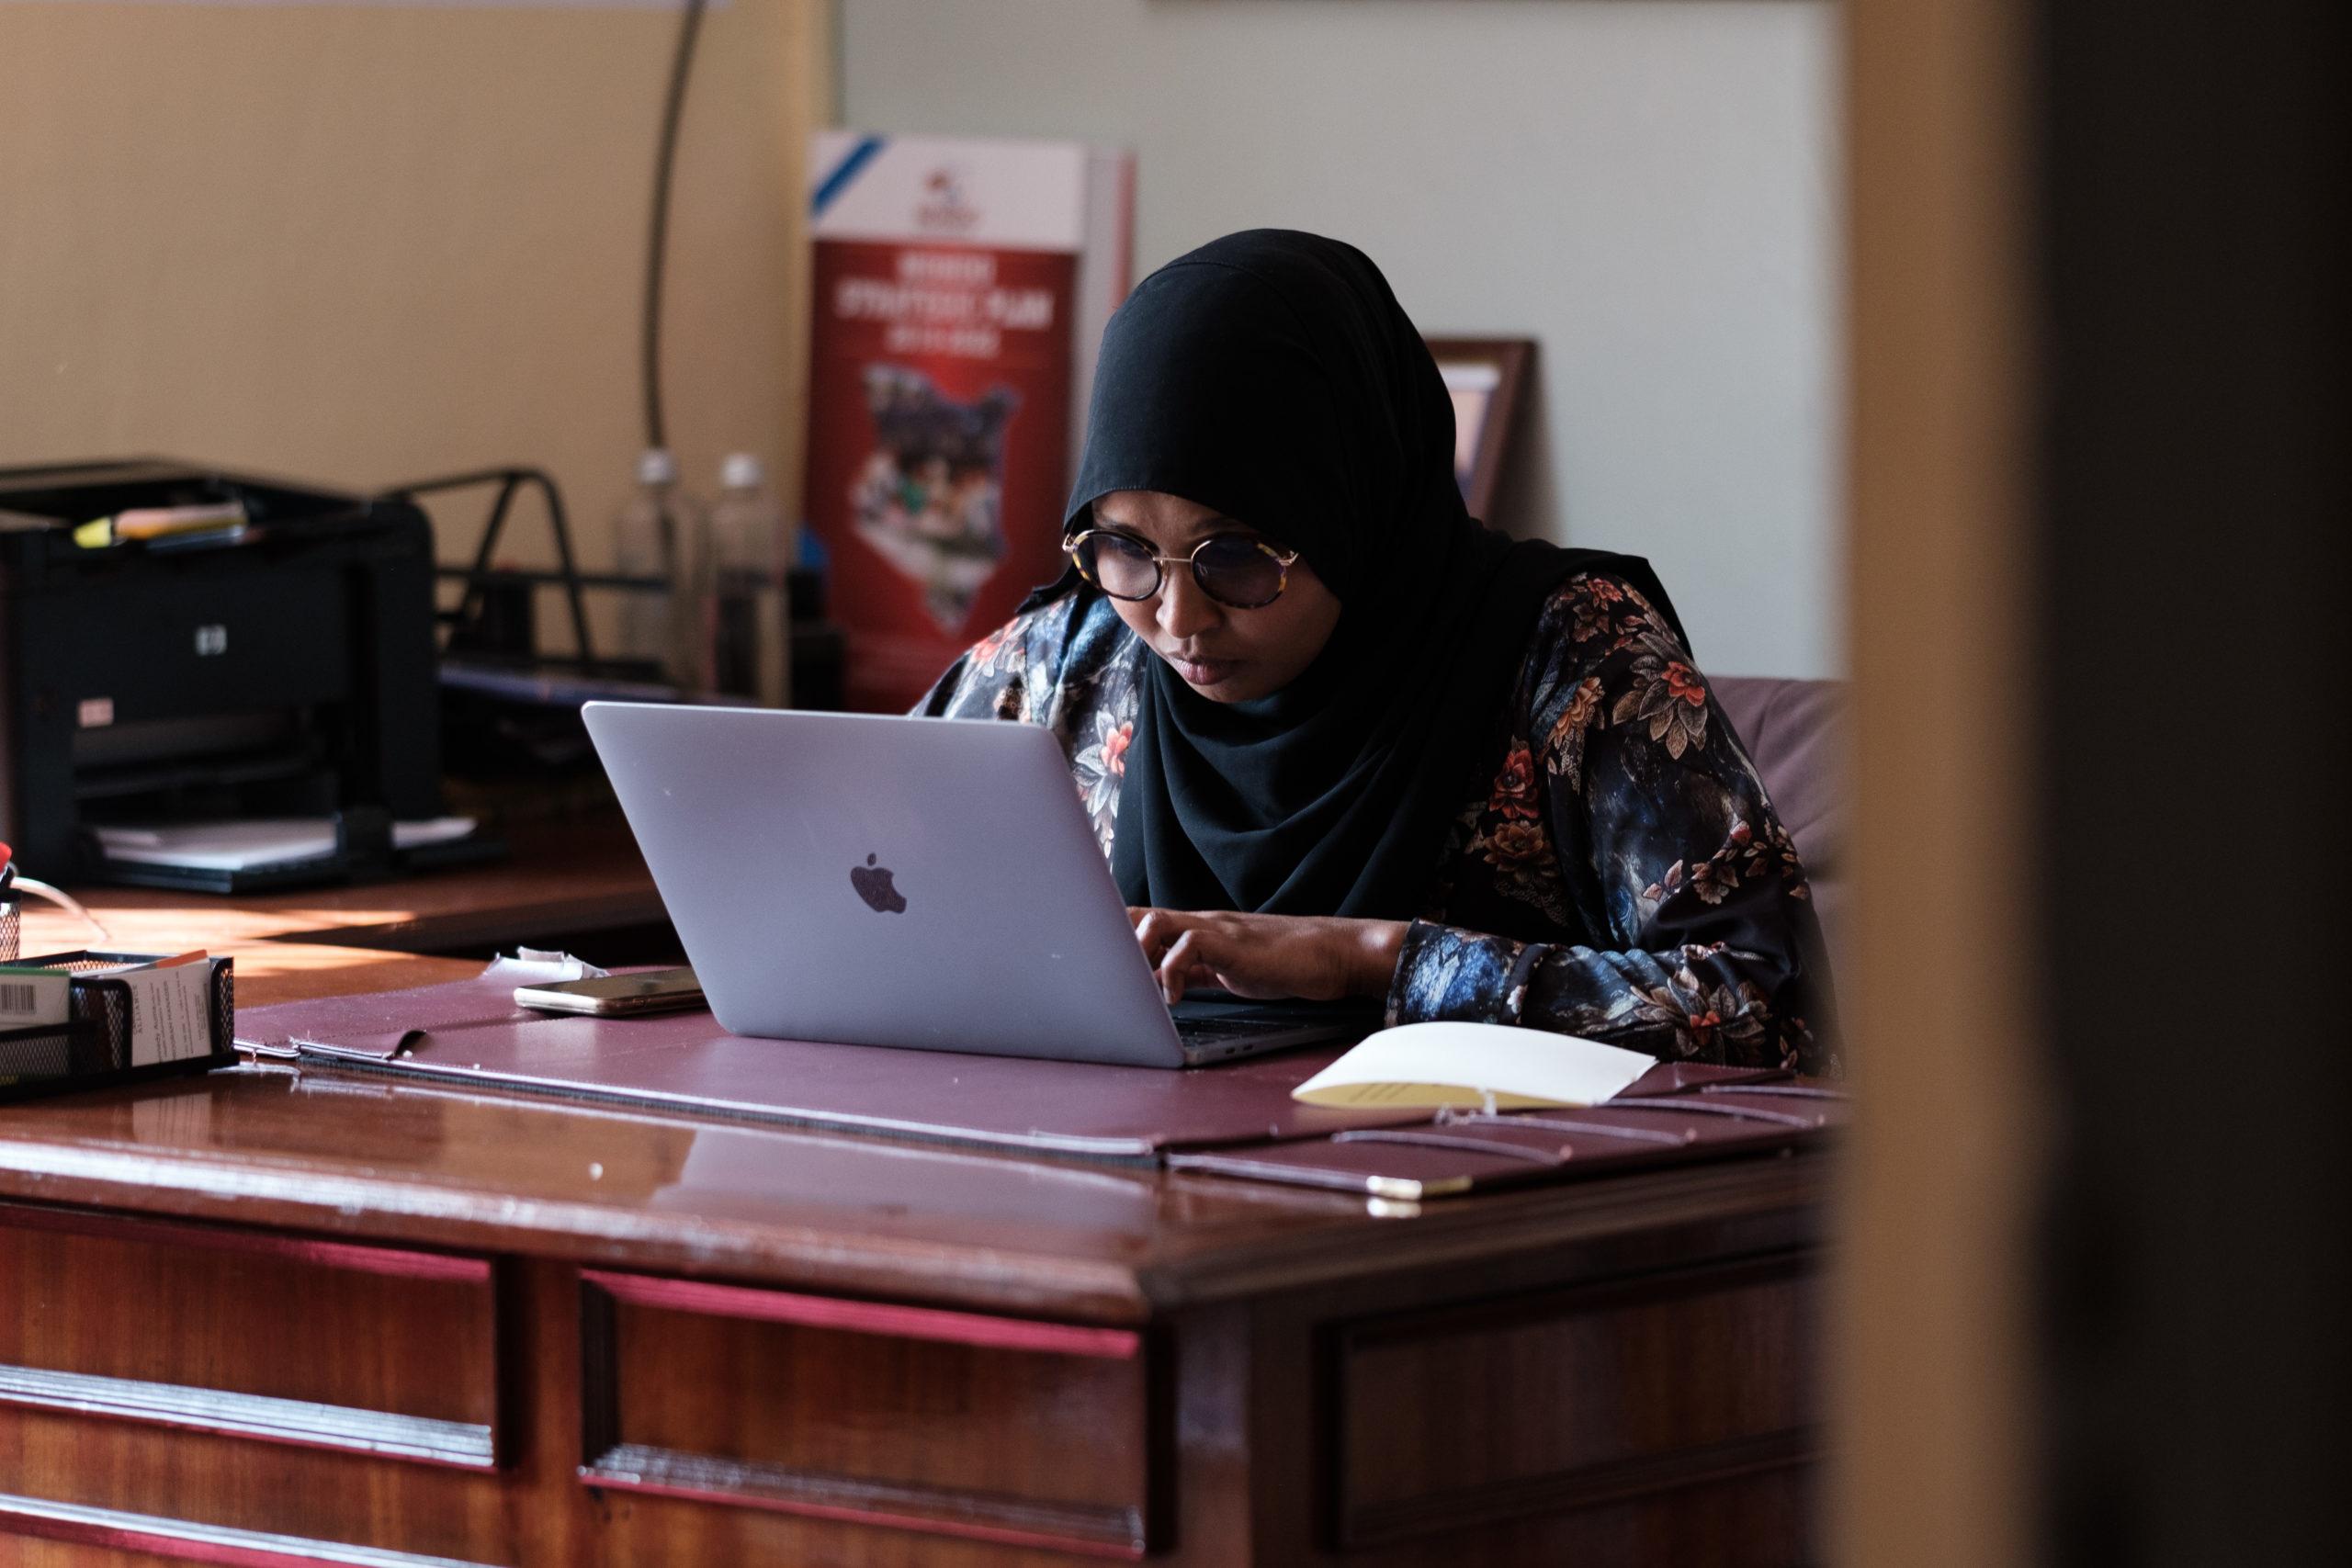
(1272, 376)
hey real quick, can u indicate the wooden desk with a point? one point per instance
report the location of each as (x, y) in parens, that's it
(272, 1316)
(583, 884)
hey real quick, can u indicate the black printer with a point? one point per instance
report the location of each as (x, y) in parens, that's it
(264, 652)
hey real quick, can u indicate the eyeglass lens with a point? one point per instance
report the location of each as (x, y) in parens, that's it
(1231, 569)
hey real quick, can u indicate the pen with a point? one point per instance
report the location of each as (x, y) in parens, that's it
(159, 523)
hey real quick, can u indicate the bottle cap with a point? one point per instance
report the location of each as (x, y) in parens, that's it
(742, 471)
(657, 467)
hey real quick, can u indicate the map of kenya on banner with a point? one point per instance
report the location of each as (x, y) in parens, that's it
(960, 289)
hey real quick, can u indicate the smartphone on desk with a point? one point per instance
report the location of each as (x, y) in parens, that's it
(616, 996)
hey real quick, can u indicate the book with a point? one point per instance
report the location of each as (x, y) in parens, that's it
(34, 997)
(959, 292)
(1489, 1067)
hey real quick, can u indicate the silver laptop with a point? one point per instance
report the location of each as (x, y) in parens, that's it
(918, 882)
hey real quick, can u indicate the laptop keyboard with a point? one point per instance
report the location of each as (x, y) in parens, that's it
(1211, 1031)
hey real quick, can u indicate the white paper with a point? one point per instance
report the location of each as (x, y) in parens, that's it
(1481, 1065)
(534, 967)
(242, 844)
(171, 1011)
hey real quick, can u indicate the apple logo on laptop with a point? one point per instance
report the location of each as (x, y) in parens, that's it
(873, 885)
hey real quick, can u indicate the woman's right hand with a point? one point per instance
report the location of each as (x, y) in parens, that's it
(1317, 957)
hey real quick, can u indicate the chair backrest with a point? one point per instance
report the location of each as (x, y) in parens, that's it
(1795, 731)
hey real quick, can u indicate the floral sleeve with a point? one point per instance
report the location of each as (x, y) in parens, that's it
(1624, 807)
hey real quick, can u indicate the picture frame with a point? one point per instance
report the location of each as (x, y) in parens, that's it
(1486, 376)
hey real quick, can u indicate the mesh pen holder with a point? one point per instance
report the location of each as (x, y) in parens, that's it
(96, 1045)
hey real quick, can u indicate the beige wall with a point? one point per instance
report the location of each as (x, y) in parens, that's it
(367, 244)
(1650, 190)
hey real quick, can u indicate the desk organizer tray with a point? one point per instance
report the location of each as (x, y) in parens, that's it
(1235, 1119)
(97, 1043)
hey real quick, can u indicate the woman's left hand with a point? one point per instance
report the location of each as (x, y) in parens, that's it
(1317, 957)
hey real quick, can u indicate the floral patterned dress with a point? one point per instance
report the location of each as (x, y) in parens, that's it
(1616, 871)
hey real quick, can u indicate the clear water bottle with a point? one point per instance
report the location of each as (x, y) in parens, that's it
(661, 533)
(749, 632)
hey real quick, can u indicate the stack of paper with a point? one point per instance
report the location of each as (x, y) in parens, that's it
(243, 844)
(171, 1007)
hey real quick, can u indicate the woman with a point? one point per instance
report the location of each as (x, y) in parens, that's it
(1338, 738)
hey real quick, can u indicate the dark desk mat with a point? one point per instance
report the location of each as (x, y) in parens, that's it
(1236, 1119)
(471, 1032)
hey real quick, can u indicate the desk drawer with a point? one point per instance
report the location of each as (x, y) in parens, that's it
(962, 1423)
(380, 1351)
(1476, 1415)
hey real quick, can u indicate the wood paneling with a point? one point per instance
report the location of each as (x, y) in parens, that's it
(202, 1482)
(997, 1429)
(104, 1533)
(1529, 1406)
(731, 1422)
(1930, 1315)
(373, 1350)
